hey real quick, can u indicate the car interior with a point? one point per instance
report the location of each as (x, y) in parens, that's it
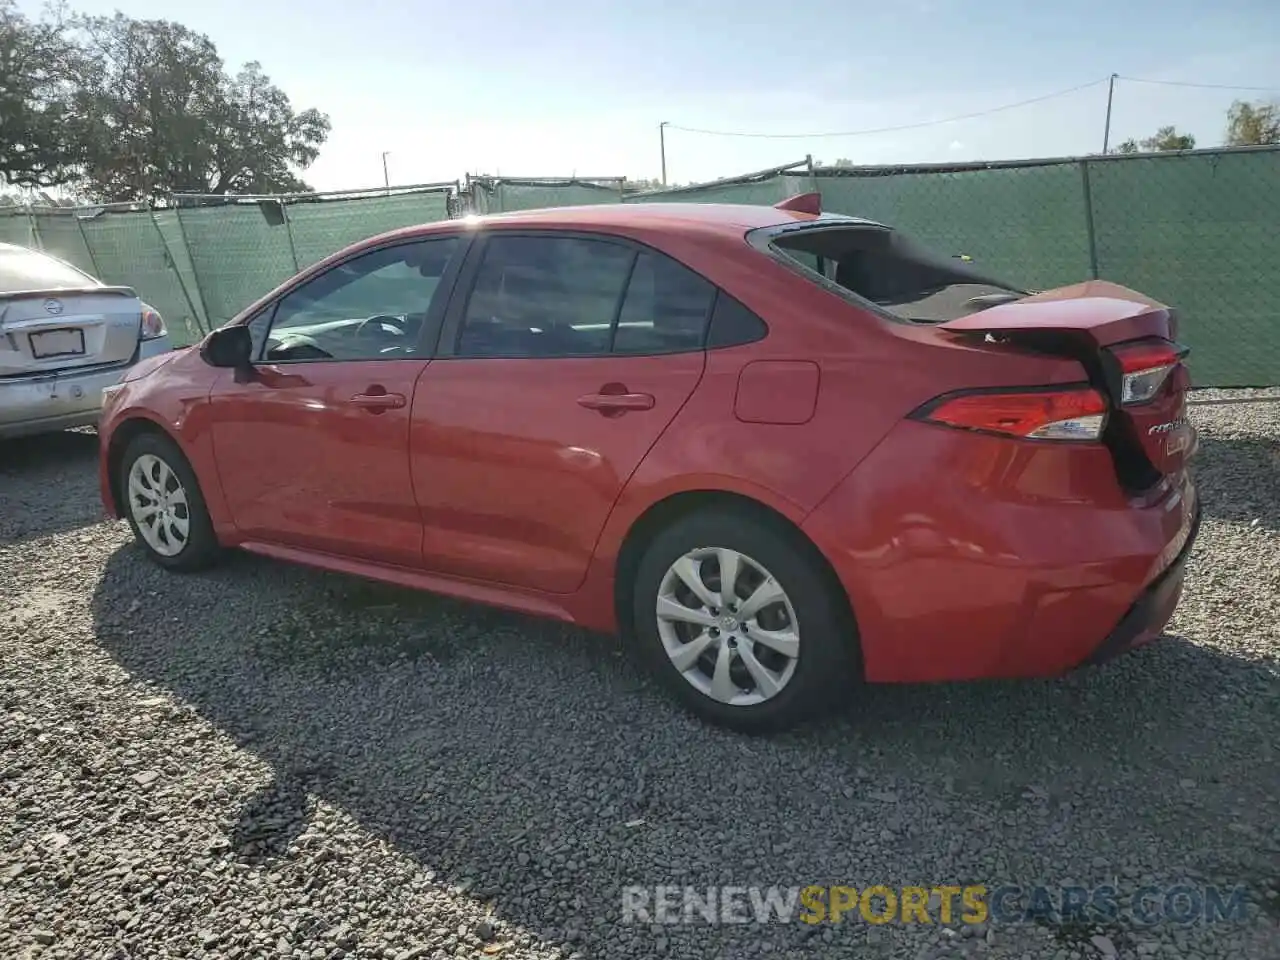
(375, 306)
(542, 305)
(884, 267)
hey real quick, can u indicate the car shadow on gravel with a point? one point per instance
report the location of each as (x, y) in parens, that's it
(57, 476)
(535, 765)
(1239, 479)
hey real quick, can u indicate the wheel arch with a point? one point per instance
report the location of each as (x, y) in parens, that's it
(124, 433)
(666, 511)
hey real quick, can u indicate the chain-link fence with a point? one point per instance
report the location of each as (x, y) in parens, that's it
(764, 187)
(1199, 230)
(505, 194)
(204, 258)
(242, 247)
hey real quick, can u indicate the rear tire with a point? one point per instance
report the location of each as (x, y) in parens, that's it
(775, 650)
(162, 501)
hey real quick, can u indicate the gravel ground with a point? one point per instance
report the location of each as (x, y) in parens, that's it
(264, 761)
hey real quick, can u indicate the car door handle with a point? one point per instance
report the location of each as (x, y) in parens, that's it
(377, 402)
(619, 402)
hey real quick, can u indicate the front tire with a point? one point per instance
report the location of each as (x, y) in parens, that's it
(164, 506)
(741, 622)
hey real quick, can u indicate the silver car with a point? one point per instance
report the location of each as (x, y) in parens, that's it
(63, 337)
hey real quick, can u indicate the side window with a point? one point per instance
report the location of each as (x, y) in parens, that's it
(372, 307)
(732, 324)
(544, 297)
(665, 310)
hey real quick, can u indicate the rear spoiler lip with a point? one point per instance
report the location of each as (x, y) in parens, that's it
(53, 293)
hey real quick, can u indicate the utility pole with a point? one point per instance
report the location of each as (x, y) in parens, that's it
(662, 145)
(386, 178)
(1111, 92)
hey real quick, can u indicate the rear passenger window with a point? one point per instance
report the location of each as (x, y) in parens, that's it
(665, 310)
(577, 297)
(732, 324)
(545, 297)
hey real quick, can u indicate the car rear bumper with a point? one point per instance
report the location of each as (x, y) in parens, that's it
(966, 557)
(1152, 610)
(63, 399)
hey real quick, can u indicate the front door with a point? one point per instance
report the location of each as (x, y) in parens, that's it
(312, 451)
(565, 361)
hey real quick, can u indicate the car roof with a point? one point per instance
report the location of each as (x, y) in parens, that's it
(727, 219)
(731, 217)
(723, 220)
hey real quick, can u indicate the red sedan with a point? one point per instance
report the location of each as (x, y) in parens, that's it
(781, 451)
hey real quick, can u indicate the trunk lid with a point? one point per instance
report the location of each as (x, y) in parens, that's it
(1126, 342)
(46, 331)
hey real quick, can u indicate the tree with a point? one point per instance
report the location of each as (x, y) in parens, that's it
(41, 138)
(1253, 123)
(165, 117)
(1164, 139)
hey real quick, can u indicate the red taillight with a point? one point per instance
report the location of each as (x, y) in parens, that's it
(152, 324)
(1144, 367)
(1075, 413)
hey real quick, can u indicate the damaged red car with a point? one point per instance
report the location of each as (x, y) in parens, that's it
(782, 452)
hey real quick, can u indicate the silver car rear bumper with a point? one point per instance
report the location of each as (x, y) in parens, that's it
(59, 400)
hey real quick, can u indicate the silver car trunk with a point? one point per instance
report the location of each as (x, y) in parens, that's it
(43, 331)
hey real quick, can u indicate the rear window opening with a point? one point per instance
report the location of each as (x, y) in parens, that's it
(881, 266)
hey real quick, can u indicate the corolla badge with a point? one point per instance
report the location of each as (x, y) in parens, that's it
(53, 306)
(1168, 427)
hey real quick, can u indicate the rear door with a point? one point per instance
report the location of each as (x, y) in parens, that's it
(564, 359)
(54, 318)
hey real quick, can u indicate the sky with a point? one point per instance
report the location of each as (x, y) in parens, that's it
(575, 87)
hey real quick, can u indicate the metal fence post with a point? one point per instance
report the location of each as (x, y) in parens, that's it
(288, 229)
(813, 179)
(1088, 219)
(195, 270)
(84, 238)
(36, 240)
(177, 272)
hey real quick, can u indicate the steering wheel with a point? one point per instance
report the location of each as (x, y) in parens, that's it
(376, 323)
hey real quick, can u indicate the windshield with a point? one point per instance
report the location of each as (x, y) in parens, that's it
(22, 269)
(886, 268)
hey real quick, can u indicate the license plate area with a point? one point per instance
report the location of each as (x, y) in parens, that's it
(66, 342)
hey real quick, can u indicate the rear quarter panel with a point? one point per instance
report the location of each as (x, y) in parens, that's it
(873, 373)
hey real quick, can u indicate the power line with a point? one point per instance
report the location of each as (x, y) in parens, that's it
(1202, 86)
(905, 126)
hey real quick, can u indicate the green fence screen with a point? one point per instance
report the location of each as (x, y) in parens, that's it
(1030, 225)
(238, 253)
(16, 226)
(502, 195)
(1201, 233)
(323, 227)
(59, 232)
(1198, 230)
(129, 249)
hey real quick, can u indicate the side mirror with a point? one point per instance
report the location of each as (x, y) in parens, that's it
(229, 347)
